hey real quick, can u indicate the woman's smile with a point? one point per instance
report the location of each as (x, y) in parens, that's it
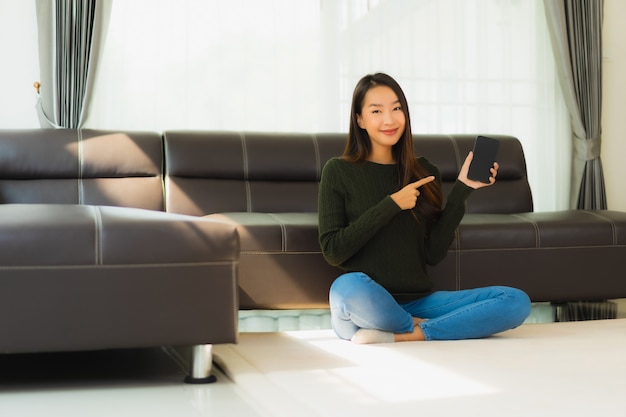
(389, 132)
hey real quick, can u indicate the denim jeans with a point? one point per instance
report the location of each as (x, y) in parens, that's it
(356, 301)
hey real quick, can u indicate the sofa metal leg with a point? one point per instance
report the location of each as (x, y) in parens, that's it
(200, 365)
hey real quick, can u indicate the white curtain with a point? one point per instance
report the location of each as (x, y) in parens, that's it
(19, 69)
(236, 64)
(467, 66)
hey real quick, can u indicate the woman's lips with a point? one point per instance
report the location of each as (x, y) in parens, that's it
(389, 132)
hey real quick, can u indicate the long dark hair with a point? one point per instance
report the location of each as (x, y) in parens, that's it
(359, 146)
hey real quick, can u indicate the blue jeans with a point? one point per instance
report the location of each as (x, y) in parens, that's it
(356, 301)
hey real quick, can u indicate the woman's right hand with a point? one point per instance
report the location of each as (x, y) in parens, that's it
(406, 198)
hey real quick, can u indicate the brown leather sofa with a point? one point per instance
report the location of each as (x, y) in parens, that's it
(136, 239)
(90, 259)
(266, 185)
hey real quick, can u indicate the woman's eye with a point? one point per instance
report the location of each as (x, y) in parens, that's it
(397, 108)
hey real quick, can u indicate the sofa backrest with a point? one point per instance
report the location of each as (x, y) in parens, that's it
(69, 166)
(215, 172)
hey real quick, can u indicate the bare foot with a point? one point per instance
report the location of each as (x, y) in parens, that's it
(415, 335)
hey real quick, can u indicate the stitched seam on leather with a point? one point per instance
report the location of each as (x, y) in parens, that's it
(457, 156)
(283, 232)
(155, 265)
(535, 225)
(245, 172)
(547, 248)
(456, 232)
(611, 222)
(318, 162)
(79, 181)
(255, 252)
(246, 182)
(98, 234)
(165, 176)
(166, 193)
(458, 258)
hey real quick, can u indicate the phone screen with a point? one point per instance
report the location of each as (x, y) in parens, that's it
(485, 153)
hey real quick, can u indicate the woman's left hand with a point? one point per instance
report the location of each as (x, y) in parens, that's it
(472, 183)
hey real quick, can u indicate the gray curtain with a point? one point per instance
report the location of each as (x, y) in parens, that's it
(576, 32)
(70, 33)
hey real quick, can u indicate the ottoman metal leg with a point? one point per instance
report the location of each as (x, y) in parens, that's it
(200, 365)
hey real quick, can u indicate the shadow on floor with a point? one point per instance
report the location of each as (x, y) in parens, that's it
(132, 367)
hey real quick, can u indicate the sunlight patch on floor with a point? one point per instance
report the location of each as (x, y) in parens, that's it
(376, 374)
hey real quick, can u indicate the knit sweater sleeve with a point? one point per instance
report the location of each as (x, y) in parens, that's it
(339, 237)
(442, 231)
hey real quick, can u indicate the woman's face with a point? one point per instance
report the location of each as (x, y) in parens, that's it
(382, 117)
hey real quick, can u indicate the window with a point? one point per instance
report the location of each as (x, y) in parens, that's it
(466, 66)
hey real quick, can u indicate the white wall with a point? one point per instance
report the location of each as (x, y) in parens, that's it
(614, 103)
(19, 64)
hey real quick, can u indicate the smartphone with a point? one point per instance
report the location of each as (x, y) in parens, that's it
(485, 153)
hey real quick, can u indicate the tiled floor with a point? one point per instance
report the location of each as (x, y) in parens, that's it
(554, 369)
(111, 383)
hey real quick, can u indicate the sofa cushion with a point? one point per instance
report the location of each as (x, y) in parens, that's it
(69, 166)
(542, 230)
(88, 277)
(553, 256)
(274, 232)
(59, 234)
(213, 172)
(280, 264)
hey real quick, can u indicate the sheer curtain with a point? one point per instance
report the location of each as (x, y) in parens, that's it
(207, 64)
(467, 66)
(19, 69)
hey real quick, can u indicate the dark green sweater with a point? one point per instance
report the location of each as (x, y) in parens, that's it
(363, 230)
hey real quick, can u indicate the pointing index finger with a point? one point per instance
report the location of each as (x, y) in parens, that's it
(423, 181)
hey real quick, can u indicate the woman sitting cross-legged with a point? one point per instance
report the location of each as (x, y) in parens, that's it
(383, 220)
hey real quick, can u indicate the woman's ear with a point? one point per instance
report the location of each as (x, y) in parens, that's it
(359, 121)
